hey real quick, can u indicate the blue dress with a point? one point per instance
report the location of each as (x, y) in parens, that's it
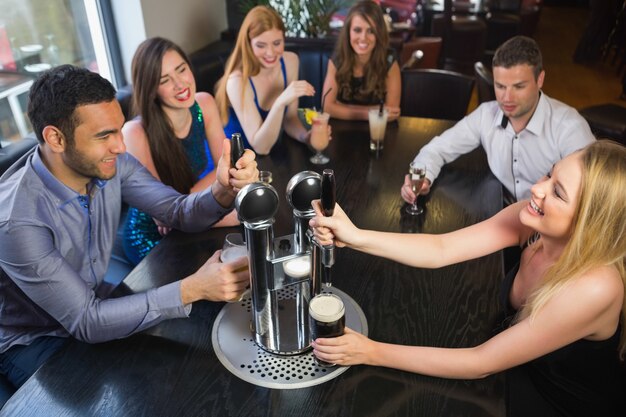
(234, 126)
(140, 232)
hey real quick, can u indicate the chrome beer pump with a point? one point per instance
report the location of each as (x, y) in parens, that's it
(287, 271)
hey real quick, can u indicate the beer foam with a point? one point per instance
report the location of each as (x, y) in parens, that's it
(326, 308)
(234, 252)
(299, 267)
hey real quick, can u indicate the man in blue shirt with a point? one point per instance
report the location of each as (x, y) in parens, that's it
(58, 220)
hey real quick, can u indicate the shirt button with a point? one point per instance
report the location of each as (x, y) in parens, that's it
(515, 160)
(93, 261)
(517, 181)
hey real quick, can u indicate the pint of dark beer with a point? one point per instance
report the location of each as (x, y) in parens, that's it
(327, 318)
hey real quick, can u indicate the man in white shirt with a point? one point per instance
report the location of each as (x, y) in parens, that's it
(524, 132)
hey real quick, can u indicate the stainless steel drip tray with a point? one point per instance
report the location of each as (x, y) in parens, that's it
(235, 348)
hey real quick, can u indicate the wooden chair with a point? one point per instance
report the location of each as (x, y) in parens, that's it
(484, 83)
(10, 154)
(437, 94)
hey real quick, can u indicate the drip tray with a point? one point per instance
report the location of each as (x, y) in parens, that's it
(235, 348)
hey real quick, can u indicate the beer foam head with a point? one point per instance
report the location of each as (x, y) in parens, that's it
(234, 252)
(299, 267)
(326, 308)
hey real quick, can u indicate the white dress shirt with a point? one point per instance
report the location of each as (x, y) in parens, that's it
(518, 160)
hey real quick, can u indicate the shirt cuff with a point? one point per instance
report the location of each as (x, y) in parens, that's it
(188, 309)
(169, 301)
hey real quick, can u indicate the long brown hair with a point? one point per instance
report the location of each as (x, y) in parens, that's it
(167, 151)
(258, 20)
(344, 58)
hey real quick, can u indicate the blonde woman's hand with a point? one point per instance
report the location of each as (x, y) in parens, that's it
(350, 349)
(337, 229)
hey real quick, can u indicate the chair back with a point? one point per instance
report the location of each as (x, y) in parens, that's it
(11, 153)
(124, 96)
(509, 6)
(464, 40)
(484, 83)
(436, 94)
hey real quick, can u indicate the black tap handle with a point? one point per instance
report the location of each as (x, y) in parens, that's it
(236, 148)
(328, 192)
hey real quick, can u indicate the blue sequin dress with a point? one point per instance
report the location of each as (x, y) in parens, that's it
(140, 232)
(234, 126)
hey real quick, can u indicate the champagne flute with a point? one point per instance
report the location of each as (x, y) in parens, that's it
(417, 172)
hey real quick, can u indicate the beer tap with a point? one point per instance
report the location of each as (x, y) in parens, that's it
(236, 148)
(328, 199)
(236, 151)
(280, 267)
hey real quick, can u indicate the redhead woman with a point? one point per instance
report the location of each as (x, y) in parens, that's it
(177, 135)
(258, 94)
(564, 336)
(363, 73)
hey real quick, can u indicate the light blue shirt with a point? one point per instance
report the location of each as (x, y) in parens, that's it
(518, 160)
(55, 247)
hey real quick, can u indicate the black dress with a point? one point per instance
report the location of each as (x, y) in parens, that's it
(581, 379)
(353, 94)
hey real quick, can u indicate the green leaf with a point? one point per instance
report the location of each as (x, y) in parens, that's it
(303, 18)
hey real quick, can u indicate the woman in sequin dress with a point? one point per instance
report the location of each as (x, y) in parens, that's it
(177, 135)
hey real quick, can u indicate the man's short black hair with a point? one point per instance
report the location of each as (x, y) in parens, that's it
(519, 50)
(57, 92)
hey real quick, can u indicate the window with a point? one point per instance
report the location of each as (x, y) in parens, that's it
(38, 34)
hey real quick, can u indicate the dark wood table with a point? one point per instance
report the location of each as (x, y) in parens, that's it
(172, 369)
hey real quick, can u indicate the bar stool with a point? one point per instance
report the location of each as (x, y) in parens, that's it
(607, 121)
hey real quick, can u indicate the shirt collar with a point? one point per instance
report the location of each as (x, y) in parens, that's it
(536, 121)
(62, 192)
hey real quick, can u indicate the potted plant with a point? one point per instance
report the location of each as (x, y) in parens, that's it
(303, 18)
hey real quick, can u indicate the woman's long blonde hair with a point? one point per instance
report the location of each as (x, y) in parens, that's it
(258, 20)
(598, 236)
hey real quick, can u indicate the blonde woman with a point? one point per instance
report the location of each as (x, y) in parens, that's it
(565, 299)
(258, 94)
